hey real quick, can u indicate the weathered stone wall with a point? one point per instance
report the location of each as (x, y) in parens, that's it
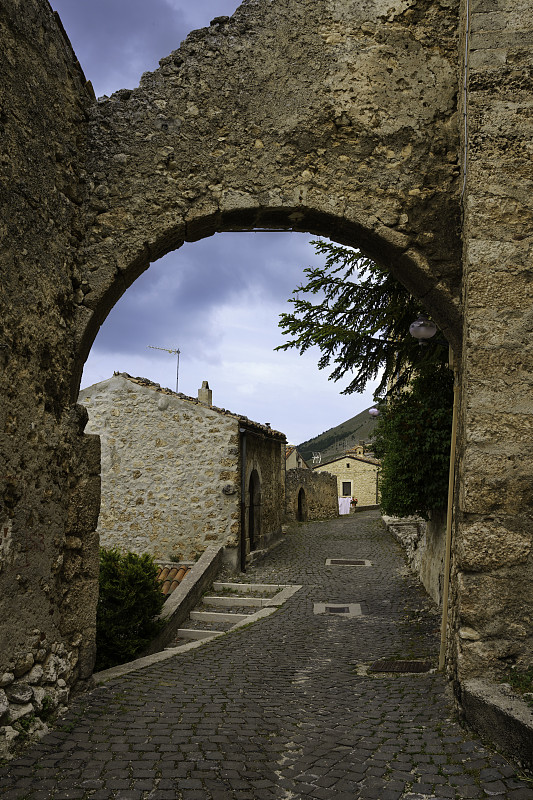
(320, 490)
(265, 455)
(48, 469)
(362, 475)
(170, 470)
(330, 116)
(493, 585)
(424, 546)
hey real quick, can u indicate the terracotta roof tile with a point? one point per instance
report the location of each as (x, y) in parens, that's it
(170, 576)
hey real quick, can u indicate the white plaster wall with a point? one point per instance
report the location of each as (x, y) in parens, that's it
(165, 464)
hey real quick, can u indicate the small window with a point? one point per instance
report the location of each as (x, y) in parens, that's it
(346, 488)
(348, 465)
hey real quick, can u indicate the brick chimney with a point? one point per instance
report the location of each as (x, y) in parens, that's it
(205, 395)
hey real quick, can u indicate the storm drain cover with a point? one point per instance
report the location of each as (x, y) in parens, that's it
(400, 666)
(346, 609)
(347, 562)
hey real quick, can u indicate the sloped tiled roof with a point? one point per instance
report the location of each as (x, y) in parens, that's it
(148, 384)
(365, 459)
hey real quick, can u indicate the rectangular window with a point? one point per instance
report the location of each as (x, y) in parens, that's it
(346, 488)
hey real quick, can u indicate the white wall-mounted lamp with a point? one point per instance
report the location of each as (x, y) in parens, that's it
(422, 328)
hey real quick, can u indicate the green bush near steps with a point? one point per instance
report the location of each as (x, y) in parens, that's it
(129, 601)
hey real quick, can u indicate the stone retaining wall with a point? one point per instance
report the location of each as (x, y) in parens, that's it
(319, 499)
(424, 544)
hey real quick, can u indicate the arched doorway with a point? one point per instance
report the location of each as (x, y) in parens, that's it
(301, 513)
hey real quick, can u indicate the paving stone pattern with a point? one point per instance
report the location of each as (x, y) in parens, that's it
(281, 709)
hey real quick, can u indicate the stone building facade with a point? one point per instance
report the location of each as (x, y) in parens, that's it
(294, 459)
(356, 476)
(310, 496)
(172, 472)
(402, 129)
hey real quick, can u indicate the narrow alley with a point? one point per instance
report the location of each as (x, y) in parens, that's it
(286, 708)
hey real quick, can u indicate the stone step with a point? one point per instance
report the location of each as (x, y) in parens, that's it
(195, 633)
(216, 616)
(227, 602)
(247, 588)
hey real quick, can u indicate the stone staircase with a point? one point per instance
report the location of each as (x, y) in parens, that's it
(230, 606)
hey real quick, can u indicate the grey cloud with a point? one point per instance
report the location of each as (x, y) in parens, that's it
(173, 301)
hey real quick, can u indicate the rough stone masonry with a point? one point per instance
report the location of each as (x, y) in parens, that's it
(377, 141)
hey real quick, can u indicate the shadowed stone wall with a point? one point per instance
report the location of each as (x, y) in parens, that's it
(265, 457)
(49, 471)
(320, 491)
(493, 555)
(335, 117)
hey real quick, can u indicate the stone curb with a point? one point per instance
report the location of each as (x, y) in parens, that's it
(147, 661)
(154, 658)
(501, 717)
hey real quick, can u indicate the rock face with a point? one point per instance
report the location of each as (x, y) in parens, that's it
(336, 117)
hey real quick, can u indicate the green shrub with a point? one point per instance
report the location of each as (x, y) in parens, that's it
(130, 599)
(413, 440)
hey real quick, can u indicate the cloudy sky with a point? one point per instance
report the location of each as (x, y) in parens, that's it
(217, 300)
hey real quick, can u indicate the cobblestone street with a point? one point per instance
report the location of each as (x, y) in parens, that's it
(283, 708)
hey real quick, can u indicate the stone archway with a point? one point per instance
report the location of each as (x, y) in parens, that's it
(369, 162)
(328, 116)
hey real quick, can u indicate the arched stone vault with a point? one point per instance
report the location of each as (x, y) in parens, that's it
(336, 118)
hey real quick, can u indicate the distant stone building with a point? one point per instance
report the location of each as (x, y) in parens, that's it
(357, 476)
(294, 459)
(310, 495)
(179, 474)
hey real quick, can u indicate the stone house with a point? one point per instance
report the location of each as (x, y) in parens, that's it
(294, 459)
(357, 476)
(179, 474)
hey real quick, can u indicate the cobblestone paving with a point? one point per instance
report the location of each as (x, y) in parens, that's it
(281, 709)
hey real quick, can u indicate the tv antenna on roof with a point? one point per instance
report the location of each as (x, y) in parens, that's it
(317, 458)
(175, 352)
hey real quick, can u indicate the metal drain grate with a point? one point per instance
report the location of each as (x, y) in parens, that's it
(348, 562)
(344, 609)
(400, 666)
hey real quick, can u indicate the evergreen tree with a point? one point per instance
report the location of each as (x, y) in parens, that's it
(360, 321)
(358, 315)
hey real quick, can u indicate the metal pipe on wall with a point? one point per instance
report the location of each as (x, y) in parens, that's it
(449, 516)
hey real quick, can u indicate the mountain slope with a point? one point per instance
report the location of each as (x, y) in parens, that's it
(335, 441)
